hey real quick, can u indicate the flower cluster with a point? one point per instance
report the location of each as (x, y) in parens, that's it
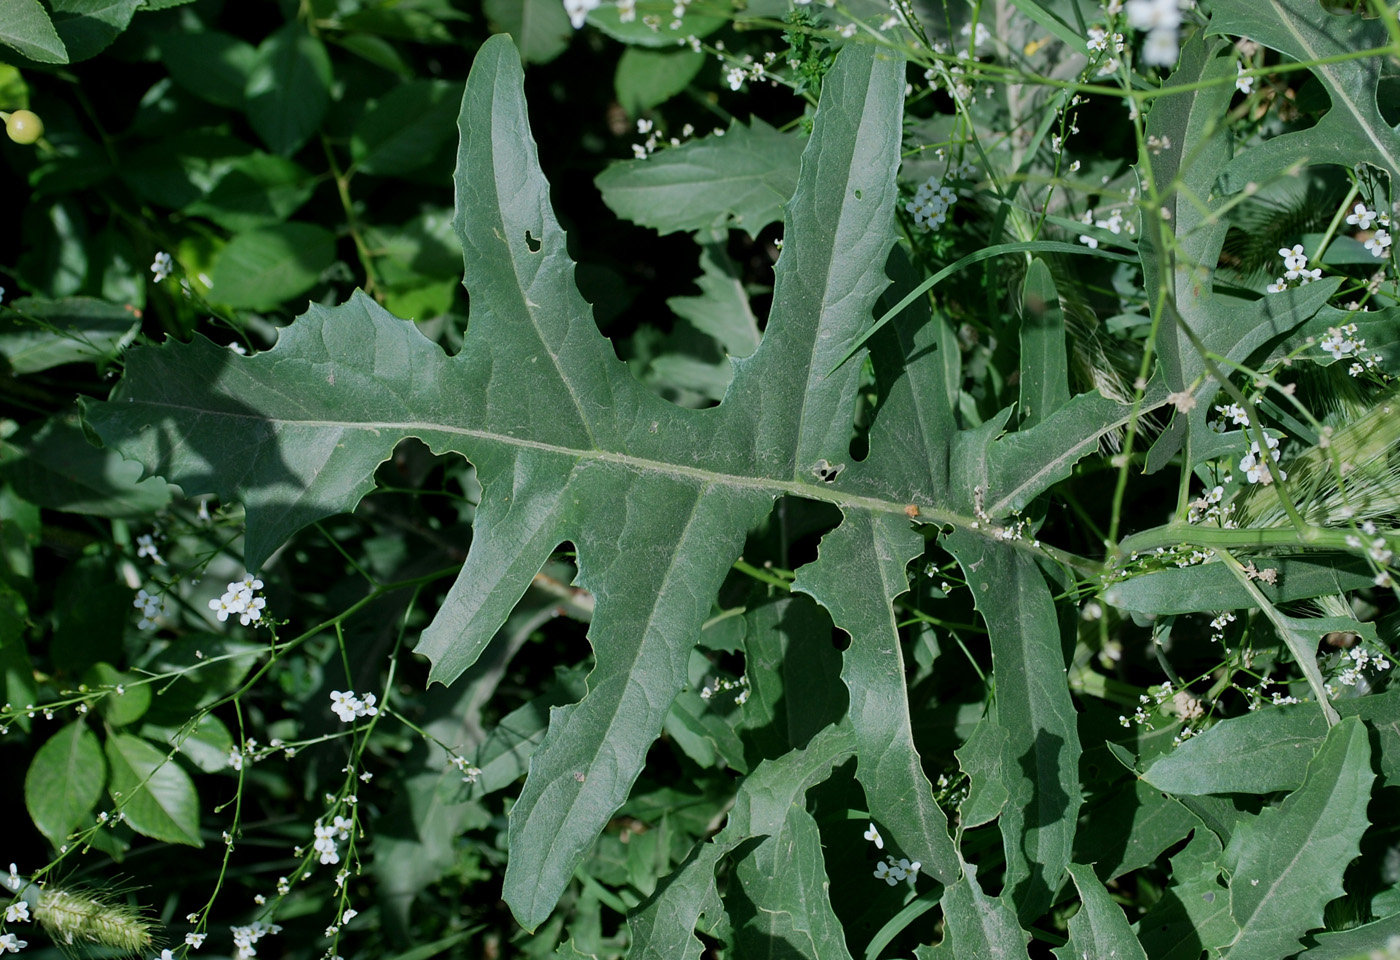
(1255, 465)
(469, 772)
(1362, 218)
(1115, 224)
(326, 838)
(244, 937)
(1218, 626)
(1161, 19)
(240, 599)
(1208, 507)
(1295, 263)
(1378, 549)
(162, 266)
(146, 547)
(347, 706)
(578, 11)
(742, 685)
(931, 203)
(894, 871)
(1342, 342)
(152, 606)
(1355, 661)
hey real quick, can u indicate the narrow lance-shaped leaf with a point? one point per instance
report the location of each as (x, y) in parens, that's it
(1033, 706)
(1099, 931)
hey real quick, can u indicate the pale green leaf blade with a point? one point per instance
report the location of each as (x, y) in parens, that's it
(663, 927)
(1207, 586)
(980, 926)
(25, 26)
(1044, 359)
(1099, 931)
(857, 576)
(261, 268)
(645, 78)
(87, 27)
(64, 782)
(1292, 857)
(403, 130)
(1033, 705)
(1194, 910)
(1353, 130)
(51, 463)
(740, 180)
(540, 28)
(1279, 742)
(1358, 943)
(289, 88)
(594, 749)
(988, 766)
(40, 334)
(722, 309)
(158, 797)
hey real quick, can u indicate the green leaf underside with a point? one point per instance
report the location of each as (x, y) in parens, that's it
(569, 447)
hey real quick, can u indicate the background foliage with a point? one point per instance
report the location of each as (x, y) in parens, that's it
(820, 470)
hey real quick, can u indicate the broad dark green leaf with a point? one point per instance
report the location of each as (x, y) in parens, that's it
(289, 88)
(158, 797)
(254, 191)
(1291, 858)
(1129, 827)
(739, 180)
(39, 334)
(1099, 931)
(180, 170)
(1033, 706)
(25, 26)
(540, 28)
(402, 130)
(646, 78)
(207, 744)
(53, 464)
(124, 702)
(213, 66)
(65, 781)
(1279, 742)
(87, 27)
(262, 268)
(794, 677)
(1353, 131)
(858, 574)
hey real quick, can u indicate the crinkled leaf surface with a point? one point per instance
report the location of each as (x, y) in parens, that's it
(568, 446)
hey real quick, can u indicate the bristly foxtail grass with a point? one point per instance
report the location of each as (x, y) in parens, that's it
(1368, 448)
(74, 916)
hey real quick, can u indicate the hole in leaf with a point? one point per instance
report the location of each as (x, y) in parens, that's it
(531, 242)
(858, 196)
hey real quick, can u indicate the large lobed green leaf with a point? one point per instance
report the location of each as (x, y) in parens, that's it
(656, 499)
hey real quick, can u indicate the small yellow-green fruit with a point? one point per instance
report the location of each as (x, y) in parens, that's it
(24, 126)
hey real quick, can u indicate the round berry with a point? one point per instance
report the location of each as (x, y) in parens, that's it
(24, 126)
